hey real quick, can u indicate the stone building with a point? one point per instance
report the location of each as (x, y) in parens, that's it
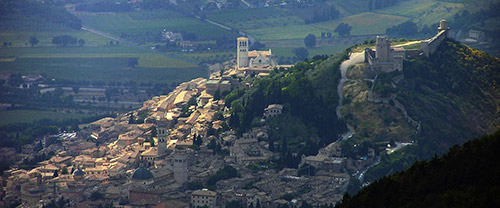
(385, 58)
(273, 110)
(203, 198)
(220, 84)
(253, 61)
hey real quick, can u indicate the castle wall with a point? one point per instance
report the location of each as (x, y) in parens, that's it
(430, 46)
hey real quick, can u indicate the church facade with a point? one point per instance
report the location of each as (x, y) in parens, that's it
(253, 61)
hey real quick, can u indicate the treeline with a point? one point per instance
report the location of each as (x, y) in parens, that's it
(379, 4)
(453, 94)
(467, 176)
(19, 134)
(322, 12)
(105, 6)
(466, 19)
(409, 29)
(37, 9)
(308, 92)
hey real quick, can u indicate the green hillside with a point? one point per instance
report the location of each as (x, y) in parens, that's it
(308, 93)
(467, 176)
(454, 94)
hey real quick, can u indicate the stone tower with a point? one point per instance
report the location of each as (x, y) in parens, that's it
(443, 26)
(383, 48)
(242, 52)
(161, 133)
(180, 166)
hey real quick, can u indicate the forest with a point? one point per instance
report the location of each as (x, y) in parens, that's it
(467, 176)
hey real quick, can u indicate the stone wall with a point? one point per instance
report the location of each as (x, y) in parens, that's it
(431, 45)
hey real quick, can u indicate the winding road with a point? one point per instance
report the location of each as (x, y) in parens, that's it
(353, 59)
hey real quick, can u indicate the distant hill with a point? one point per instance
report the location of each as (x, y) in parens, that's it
(467, 176)
(454, 94)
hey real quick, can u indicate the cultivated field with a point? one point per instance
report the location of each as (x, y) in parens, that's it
(134, 23)
(98, 69)
(28, 116)
(424, 12)
(367, 23)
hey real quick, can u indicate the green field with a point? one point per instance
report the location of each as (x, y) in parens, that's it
(324, 50)
(21, 38)
(130, 23)
(424, 12)
(248, 19)
(367, 23)
(98, 69)
(220, 56)
(28, 116)
(352, 7)
(147, 59)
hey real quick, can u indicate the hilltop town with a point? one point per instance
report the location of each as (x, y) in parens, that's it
(178, 151)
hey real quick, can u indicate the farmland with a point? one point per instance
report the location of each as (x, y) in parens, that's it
(424, 12)
(133, 23)
(28, 116)
(97, 69)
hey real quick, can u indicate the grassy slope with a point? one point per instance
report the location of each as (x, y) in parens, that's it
(454, 95)
(372, 122)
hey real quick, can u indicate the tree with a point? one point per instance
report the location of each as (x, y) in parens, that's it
(132, 62)
(257, 45)
(405, 29)
(343, 29)
(96, 196)
(64, 40)
(310, 41)
(64, 170)
(301, 53)
(76, 89)
(234, 204)
(33, 41)
(81, 42)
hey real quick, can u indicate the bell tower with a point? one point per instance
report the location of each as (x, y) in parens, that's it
(161, 132)
(242, 52)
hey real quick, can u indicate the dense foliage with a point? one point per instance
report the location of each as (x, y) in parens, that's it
(454, 94)
(308, 92)
(104, 6)
(223, 174)
(466, 176)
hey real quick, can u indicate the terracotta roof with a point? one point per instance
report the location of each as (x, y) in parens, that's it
(254, 53)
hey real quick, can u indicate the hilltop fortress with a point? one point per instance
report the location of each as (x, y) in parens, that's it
(388, 59)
